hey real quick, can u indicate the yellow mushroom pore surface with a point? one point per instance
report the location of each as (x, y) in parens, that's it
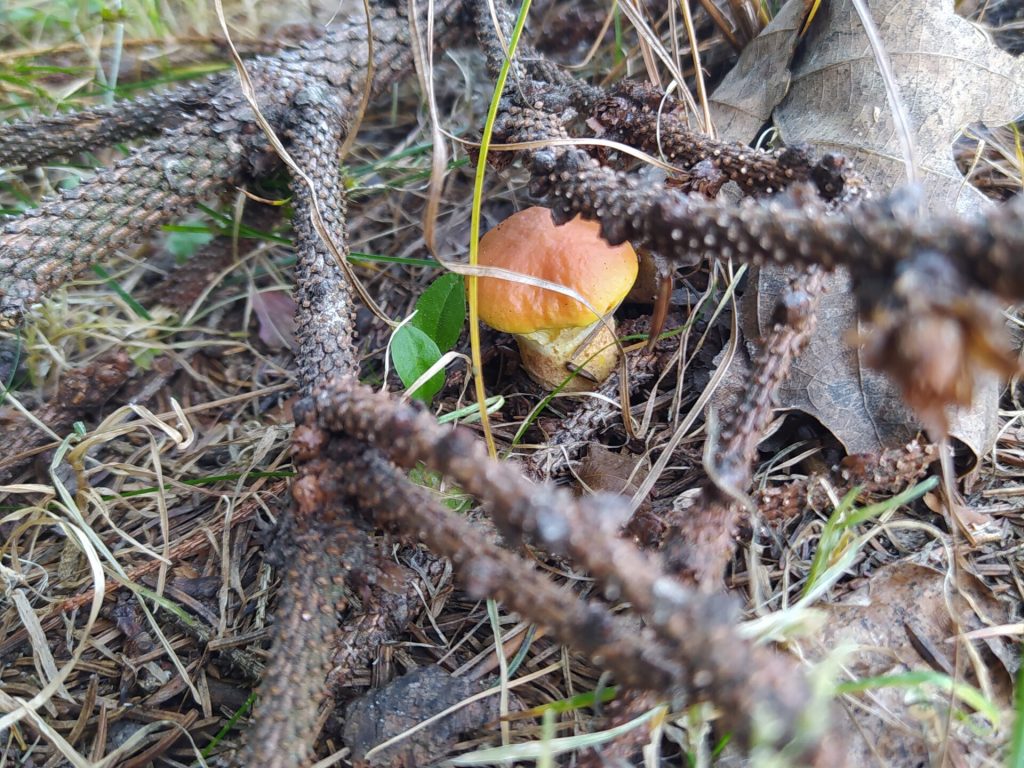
(573, 255)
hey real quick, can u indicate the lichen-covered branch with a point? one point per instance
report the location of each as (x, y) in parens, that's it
(62, 136)
(220, 144)
(531, 76)
(318, 552)
(699, 546)
(325, 317)
(751, 685)
(47, 246)
(872, 239)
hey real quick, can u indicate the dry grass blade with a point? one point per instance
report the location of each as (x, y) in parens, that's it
(652, 43)
(364, 101)
(423, 52)
(16, 709)
(702, 96)
(899, 111)
(722, 23)
(315, 212)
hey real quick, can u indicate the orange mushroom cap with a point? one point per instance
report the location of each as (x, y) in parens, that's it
(573, 255)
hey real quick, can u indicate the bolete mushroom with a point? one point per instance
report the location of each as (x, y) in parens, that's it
(556, 333)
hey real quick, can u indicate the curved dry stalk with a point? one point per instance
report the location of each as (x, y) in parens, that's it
(325, 315)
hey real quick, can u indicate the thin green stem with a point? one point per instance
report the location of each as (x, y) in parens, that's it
(474, 228)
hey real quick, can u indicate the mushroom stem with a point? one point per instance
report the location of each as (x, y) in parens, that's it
(551, 356)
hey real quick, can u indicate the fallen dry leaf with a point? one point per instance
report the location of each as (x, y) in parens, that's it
(837, 102)
(605, 471)
(949, 73)
(275, 311)
(829, 381)
(898, 621)
(744, 100)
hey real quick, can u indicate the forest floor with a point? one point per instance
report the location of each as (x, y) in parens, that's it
(146, 447)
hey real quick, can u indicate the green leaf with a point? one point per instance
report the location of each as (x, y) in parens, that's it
(413, 352)
(184, 242)
(441, 311)
(966, 692)
(573, 703)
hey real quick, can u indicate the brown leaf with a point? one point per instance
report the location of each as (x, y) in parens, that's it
(948, 71)
(276, 313)
(837, 102)
(603, 470)
(829, 381)
(832, 382)
(744, 100)
(898, 621)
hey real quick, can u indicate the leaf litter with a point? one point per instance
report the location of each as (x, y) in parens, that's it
(836, 100)
(215, 491)
(948, 73)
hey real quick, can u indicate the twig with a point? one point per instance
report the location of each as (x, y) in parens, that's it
(746, 682)
(489, 571)
(642, 116)
(872, 239)
(700, 544)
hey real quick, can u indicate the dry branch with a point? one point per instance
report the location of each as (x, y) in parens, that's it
(701, 545)
(747, 682)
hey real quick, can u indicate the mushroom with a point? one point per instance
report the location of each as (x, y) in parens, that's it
(556, 334)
